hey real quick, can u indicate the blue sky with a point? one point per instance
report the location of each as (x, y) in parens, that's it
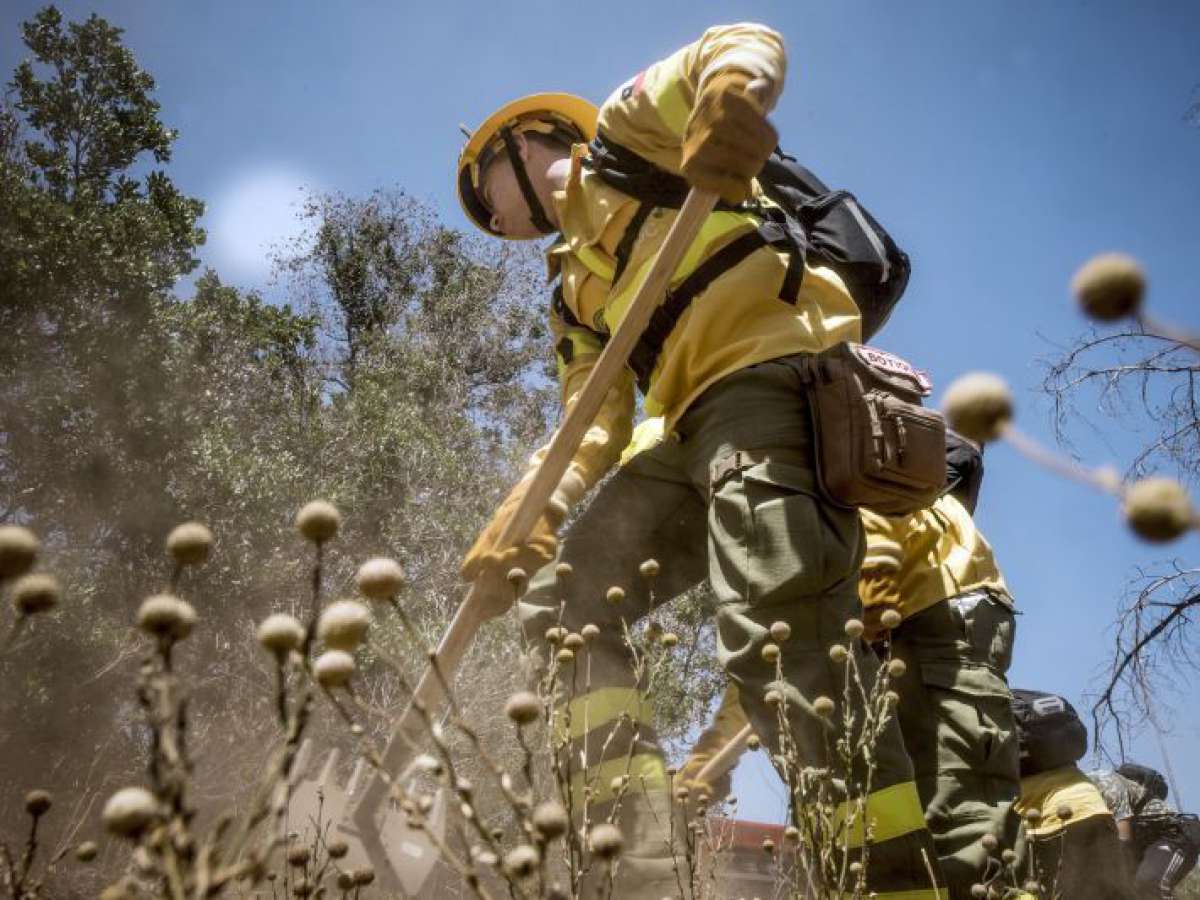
(1001, 143)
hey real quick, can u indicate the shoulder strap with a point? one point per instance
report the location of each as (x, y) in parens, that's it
(662, 322)
(625, 247)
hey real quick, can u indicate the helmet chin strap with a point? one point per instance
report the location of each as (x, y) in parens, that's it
(537, 213)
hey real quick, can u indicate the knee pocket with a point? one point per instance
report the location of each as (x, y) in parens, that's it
(975, 729)
(796, 543)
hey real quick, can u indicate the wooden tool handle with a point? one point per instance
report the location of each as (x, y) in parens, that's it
(566, 441)
(726, 757)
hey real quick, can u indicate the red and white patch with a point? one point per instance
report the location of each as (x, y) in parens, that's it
(633, 87)
(889, 362)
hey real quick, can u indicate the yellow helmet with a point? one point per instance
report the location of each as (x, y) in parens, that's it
(572, 117)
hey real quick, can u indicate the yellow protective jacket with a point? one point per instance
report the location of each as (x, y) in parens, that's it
(915, 561)
(739, 320)
(1049, 792)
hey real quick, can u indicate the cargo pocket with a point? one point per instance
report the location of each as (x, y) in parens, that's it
(975, 729)
(797, 545)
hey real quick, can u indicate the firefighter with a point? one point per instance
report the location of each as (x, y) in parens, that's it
(733, 482)
(1161, 843)
(955, 639)
(1073, 851)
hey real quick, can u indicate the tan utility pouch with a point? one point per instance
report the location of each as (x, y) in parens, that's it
(875, 444)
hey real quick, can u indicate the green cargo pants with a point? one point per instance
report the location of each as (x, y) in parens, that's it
(732, 495)
(957, 722)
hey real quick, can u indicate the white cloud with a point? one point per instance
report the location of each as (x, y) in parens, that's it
(252, 213)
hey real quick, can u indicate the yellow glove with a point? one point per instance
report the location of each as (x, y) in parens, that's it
(596, 453)
(727, 722)
(728, 137)
(537, 550)
(879, 592)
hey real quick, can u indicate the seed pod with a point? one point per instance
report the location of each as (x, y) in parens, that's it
(989, 842)
(343, 625)
(770, 653)
(337, 849)
(978, 891)
(780, 632)
(318, 521)
(298, 856)
(1158, 509)
(896, 668)
(856, 868)
(824, 707)
(1109, 287)
(281, 634)
(517, 577)
(891, 699)
(838, 653)
(791, 834)
(334, 668)
(550, 820)
(1008, 857)
(563, 571)
(1064, 811)
(345, 881)
(978, 405)
(615, 594)
(430, 764)
(854, 629)
(1033, 815)
(890, 619)
(682, 793)
(649, 568)
(555, 634)
(768, 846)
(618, 784)
(18, 551)
(380, 578)
(37, 593)
(523, 708)
(606, 841)
(773, 697)
(589, 631)
(565, 657)
(86, 851)
(303, 888)
(670, 640)
(189, 544)
(129, 812)
(753, 742)
(521, 861)
(363, 876)
(166, 616)
(573, 641)
(37, 803)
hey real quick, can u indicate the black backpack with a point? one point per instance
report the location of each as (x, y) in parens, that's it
(810, 221)
(1050, 732)
(1151, 779)
(964, 469)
